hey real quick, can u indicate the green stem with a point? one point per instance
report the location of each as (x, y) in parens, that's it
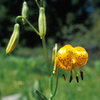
(42, 2)
(37, 3)
(51, 85)
(52, 94)
(21, 17)
(45, 51)
(42, 97)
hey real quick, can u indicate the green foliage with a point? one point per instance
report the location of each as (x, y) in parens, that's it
(97, 66)
(21, 74)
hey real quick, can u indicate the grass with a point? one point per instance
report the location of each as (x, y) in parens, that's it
(18, 75)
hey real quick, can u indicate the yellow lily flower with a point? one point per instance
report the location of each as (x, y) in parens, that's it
(69, 58)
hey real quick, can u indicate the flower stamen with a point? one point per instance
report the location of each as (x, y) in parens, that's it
(64, 77)
(81, 74)
(77, 79)
(71, 77)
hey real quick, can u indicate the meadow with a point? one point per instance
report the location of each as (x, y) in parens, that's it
(25, 70)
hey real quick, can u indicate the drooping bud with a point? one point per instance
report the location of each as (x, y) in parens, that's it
(13, 40)
(24, 11)
(42, 22)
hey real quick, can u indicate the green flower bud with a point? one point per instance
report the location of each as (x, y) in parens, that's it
(42, 22)
(24, 11)
(54, 54)
(13, 40)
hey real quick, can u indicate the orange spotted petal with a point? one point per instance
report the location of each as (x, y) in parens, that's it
(80, 56)
(64, 55)
(69, 57)
(61, 66)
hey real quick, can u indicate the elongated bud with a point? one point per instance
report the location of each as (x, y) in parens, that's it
(24, 11)
(13, 40)
(54, 54)
(42, 22)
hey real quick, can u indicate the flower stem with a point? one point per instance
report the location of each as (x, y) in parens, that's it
(37, 3)
(45, 52)
(52, 94)
(21, 17)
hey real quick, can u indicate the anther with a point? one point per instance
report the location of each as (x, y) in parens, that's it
(71, 77)
(64, 77)
(77, 79)
(81, 74)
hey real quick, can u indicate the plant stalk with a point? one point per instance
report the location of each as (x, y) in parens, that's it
(37, 3)
(45, 52)
(52, 94)
(21, 17)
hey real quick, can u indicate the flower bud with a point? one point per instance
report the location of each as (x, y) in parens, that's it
(24, 11)
(13, 40)
(42, 22)
(54, 54)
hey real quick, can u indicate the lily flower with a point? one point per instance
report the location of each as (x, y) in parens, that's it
(69, 58)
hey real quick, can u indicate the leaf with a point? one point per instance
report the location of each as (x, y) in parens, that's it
(42, 97)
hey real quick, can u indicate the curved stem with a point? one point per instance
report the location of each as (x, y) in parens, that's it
(21, 17)
(45, 52)
(52, 94)
(51, 85)
(37, 3)
(55, 87)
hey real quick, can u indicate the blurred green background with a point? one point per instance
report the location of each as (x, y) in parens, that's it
(75, 22)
